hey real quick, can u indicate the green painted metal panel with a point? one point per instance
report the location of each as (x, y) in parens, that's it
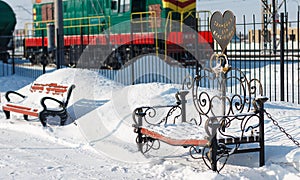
(7, 20)
(7, 23)
(115, 17)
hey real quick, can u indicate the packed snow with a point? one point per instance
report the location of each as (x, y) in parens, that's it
(98, 141)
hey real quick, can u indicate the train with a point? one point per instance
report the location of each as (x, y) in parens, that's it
(121, 30)
(7, 27)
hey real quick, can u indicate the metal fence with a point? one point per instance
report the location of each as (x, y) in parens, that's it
(270, 56)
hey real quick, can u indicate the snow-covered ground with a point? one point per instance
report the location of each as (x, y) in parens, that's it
(98, 141)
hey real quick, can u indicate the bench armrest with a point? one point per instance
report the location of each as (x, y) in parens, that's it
(70, 90)
(12, 92)
(60, 103)
(148, 114)
(174, 112)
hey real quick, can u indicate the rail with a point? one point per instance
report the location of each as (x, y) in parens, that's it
(143, 18)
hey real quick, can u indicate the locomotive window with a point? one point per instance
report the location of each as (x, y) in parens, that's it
(124, 6)
(47, 12)
(138, 6)
(114, 6)
(120, 6)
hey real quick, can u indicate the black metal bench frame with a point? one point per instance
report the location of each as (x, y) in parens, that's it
(50, 89)
(245, 106)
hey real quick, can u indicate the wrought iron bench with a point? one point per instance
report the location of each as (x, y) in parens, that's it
(229, 116)
(41, 101)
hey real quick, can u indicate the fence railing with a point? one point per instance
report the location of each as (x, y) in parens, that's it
(275, 64)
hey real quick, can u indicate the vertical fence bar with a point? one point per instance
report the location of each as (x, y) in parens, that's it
(254, 48)
(275, 57)
(298, 55)
(13, 55)
(265, 67)
(43, 52)
(245, 47)
(260, 60)
(132, 73)
(281, 57)
(274, 28)
(58, 12)
(2, 68)
(287, 56)
(293, 89)
(133, 70)
(266, 38)
(81, 40)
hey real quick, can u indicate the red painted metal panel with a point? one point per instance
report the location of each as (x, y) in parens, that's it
(119, 39)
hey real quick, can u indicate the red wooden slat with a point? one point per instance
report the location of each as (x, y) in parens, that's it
(24, 110)
(175, 142)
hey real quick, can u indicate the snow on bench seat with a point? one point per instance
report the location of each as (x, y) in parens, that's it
(183, 134)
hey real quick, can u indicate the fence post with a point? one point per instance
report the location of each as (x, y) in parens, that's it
(58, 11)
(43, 58)
(282, 57)
(81, 40)
(131, 53)
(13, 55)
(274, 26)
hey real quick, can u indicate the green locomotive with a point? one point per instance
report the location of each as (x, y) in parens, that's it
(129, 27)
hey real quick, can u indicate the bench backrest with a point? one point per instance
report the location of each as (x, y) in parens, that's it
(53, 89)
(221, 94)
(230, 99)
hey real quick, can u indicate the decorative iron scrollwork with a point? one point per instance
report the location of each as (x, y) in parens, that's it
(229, 104)
(225, 100)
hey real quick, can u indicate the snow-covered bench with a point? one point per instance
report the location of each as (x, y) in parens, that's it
(229, 118)
(42, 100)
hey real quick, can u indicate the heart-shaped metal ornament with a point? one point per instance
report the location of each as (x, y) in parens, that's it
(222, 27)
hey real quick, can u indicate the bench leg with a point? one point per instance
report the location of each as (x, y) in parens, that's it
(213, 153)
(43, 118)
(25, 117)
(140, 140)
(7, 114)
(63, 118)
(44, 114)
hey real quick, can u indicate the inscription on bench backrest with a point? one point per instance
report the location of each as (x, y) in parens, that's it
(51, 88)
